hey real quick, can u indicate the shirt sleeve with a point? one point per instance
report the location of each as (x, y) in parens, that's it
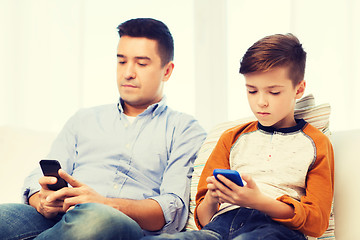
(65, 140)
(313, 211)
(187, 137)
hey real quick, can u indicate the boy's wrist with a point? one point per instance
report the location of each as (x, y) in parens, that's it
(210, 200)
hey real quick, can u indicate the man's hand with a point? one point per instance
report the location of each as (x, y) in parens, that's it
(79, 193)
(147, 212)
(40, 199)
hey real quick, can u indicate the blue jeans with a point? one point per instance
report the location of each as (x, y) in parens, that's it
(85, 221)
(238, 224)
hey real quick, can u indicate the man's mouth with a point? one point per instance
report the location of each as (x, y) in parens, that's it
(128, 86)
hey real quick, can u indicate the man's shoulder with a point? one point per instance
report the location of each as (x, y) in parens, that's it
(97, 110)
(181, 121)
(178, 117)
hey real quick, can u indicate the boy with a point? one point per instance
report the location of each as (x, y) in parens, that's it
(128, 163)
(287, 164)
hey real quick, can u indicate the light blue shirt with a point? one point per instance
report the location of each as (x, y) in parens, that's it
(149, 158)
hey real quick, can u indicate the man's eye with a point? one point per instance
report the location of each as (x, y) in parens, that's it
(122, 62)
(275, 93)
(251, 92)
(142, 64)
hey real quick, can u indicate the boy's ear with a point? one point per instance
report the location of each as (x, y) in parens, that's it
(300, 89)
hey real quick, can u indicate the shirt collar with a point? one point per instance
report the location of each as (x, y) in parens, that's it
(300, 123)
(154, 109)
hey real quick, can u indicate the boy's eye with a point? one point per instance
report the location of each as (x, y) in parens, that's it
(142, 64)
(122, 62)
(275, 93)
(252, 91)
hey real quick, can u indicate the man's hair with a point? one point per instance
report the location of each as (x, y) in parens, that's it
(276, 51)
(151, 29)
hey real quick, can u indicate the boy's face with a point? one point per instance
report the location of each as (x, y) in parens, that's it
(272, 97)
(140, 76)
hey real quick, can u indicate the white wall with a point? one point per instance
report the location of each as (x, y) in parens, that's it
(57, 56)
(330, 34)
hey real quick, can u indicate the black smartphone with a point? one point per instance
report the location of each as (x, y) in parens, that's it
(51, 168)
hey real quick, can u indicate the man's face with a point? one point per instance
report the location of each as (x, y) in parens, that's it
(272, 97)
(140, 76)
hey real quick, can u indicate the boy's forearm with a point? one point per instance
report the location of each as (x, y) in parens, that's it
(206, 209)
(274, 208)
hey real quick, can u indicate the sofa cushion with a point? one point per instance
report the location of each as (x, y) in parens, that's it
(317, 115)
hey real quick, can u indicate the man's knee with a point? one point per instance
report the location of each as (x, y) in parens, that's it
(92, 220)
(21, 221)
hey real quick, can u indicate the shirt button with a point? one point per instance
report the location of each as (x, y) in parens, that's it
(127, 146)
(115, 186)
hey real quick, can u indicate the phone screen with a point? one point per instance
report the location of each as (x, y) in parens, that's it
(51, 168)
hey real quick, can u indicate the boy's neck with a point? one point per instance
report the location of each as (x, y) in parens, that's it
(299, 124)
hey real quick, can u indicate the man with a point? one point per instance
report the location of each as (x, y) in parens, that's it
(129, 164)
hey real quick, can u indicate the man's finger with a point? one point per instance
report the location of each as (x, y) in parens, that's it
(44, 181)
(62, 194)
(68, 178)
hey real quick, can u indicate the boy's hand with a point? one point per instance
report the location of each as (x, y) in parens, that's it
(246, 196)
(212, 192)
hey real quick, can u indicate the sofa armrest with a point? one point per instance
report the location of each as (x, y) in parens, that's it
(347, 190)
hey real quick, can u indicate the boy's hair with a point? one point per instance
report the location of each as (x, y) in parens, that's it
(276, 51)
(151, 29)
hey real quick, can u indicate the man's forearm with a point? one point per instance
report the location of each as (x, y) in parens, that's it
(147, 213)
(34, 200)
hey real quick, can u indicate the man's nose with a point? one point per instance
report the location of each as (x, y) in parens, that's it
(130, 72)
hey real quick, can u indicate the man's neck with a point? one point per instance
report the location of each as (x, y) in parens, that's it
(133, 111)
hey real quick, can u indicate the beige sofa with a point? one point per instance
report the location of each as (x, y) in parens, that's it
(21, 149)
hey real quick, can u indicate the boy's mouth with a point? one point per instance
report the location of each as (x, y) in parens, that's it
(263, 114)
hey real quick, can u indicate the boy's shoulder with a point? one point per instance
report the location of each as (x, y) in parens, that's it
(234, 132)
(315, 132)
(319, 138)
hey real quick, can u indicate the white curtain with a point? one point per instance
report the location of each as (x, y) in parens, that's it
(58, 56)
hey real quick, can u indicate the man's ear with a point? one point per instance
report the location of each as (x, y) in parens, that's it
(300, 89)
(168, 69)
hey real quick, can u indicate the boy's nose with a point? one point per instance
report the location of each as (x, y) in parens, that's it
(262, 101)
